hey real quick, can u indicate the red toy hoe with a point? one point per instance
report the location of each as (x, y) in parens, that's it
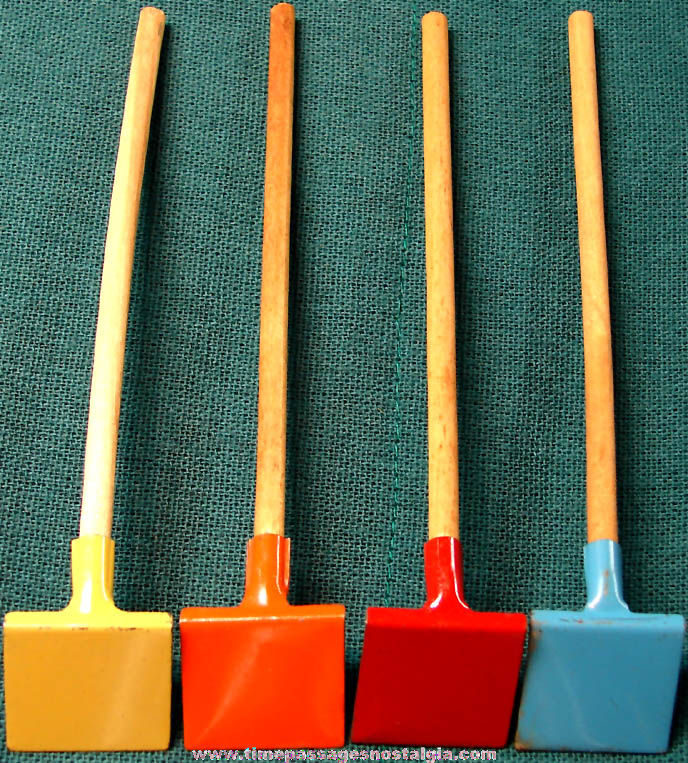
(442, 674)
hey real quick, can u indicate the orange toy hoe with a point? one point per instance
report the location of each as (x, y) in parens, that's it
(443, 674)
(267, 674)
(92, 677)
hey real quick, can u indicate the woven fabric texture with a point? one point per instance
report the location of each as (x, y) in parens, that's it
(357, 474)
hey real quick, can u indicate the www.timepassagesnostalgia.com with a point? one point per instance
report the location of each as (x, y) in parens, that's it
(405, 753)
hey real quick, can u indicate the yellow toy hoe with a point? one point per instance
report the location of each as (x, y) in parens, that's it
(92, 677)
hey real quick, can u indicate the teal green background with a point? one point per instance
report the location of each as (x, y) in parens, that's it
(357, 475)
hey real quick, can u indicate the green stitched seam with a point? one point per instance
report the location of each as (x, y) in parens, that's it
(398, 324)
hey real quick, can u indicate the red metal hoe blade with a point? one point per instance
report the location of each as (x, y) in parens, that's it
(442, 674)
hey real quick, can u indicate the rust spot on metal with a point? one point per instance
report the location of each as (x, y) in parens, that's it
(522, 744)
(528, 744)
(534, 638)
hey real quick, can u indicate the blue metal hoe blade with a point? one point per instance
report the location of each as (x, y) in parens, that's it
(603, 679)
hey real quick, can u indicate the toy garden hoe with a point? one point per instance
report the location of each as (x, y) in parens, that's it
(605, 678)
(93, 677)
(267, 674)
(443, 674)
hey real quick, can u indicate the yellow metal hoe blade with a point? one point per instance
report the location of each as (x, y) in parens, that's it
(90, 677)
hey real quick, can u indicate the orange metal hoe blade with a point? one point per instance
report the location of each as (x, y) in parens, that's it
(264, 674)
(442, 674)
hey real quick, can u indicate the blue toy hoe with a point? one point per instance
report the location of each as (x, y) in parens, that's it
(603, 679)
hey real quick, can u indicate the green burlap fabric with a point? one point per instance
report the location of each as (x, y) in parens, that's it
(357, 476)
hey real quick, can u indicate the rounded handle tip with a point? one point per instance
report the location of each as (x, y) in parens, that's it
(285, 10)
(580, 17)
(152, 15)
(435, 18)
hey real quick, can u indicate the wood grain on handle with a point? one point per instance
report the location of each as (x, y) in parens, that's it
(599, 383)
(272, 370)
(443, 447)
(108, 357)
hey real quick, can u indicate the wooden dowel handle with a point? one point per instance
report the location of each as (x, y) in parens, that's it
(108, 357)
(599, 383)
(443, 438)
(272, 370)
